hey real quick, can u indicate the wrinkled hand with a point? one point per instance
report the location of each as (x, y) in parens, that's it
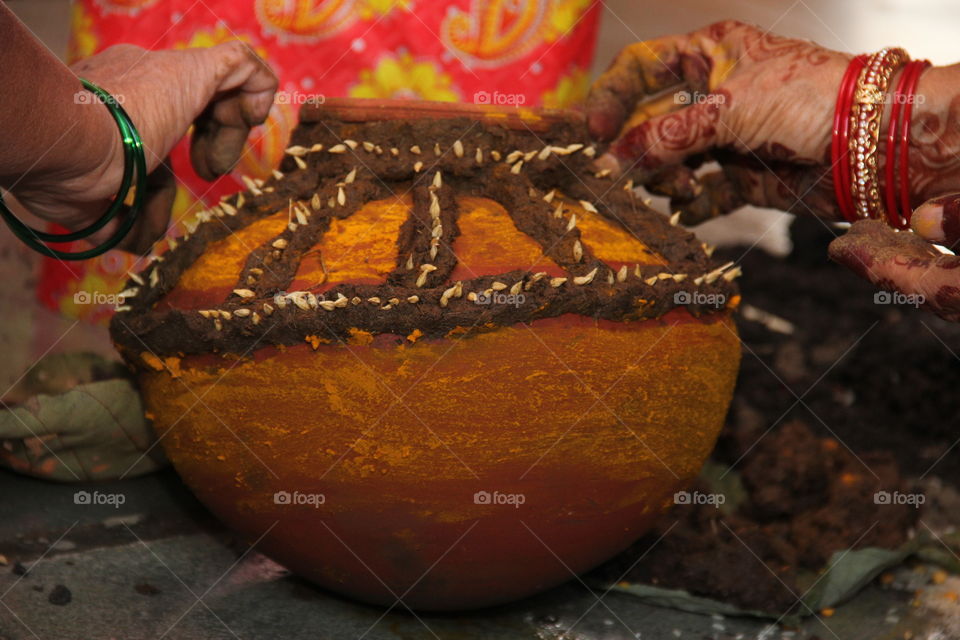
(223, 90)
(762, 106)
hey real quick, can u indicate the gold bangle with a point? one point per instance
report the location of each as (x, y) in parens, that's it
(865, 116)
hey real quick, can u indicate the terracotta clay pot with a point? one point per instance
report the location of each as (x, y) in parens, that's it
(445, 471)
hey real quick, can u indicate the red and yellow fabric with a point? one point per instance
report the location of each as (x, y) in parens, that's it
(507, 51)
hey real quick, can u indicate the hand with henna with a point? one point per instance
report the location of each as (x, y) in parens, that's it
(762, 106)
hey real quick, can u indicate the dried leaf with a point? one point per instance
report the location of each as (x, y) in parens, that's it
(94, 431)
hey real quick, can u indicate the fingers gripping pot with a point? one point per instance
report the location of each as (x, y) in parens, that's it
(440, 360)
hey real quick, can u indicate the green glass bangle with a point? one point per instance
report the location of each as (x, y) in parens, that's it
(134, 161)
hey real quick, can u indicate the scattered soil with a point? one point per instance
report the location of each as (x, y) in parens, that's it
(888, 371)
(856, 400)
(60, 596)
(146, 589)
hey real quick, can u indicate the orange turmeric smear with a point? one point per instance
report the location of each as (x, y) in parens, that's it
(829, 444)
(361, 249)
(360, 337)
(172, 364)
(457, 331)
(611, 242)
(849, 479)
(347, 388)
(489, 243)
(216, 271)
(152, 361)
(651, 109)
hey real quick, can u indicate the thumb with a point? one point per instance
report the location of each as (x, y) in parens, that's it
(671, 138)
(938, 220)
(241, 86)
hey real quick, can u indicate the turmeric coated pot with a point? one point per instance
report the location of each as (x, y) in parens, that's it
(440, 362)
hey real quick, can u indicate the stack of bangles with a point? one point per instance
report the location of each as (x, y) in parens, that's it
(856, 137)
(134, 165)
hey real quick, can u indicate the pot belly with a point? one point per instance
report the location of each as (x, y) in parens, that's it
(454, 473)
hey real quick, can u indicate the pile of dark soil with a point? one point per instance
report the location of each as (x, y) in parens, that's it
(857, 399)
(878, 377)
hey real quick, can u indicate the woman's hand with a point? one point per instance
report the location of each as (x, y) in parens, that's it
(762, 106)
(223, 90)
(734, 88)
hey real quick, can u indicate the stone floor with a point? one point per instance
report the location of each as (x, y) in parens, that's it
(159, 567)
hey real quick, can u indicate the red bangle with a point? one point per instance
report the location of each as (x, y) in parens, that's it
(840, 148)
(916, 71)
(890, 191)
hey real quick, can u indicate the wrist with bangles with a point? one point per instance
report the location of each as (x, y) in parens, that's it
(134, 163)
(857, 180)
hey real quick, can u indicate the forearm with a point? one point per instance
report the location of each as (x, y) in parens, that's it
(48, 129)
